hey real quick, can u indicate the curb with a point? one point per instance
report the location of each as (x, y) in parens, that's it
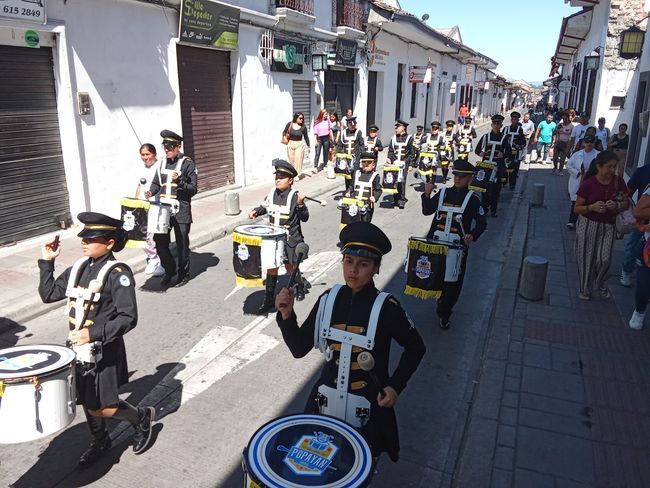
(33, 307)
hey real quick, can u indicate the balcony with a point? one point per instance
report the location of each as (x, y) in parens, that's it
(350, 14)
(299, 13)
(302, 6)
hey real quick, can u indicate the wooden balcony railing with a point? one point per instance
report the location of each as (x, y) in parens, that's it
(302, 6)
(350, 13)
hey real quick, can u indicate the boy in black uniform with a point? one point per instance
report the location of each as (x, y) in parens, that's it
(517, 141)
(102, 308)
(466, 223)
(286, 208)
(344, 390)
(366, 184)
(351, 142)
(447, 152)
(176, 184)
(464, 137)
(401, 152)
(419, 134)
(373, 143)
(433, 143)
(494, 148)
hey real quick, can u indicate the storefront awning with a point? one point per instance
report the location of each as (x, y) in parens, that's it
(573, 32)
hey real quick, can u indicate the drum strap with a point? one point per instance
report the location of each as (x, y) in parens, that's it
(349, 141)
(360, 187)
(168, 185)
(450, 211)
(278, 213)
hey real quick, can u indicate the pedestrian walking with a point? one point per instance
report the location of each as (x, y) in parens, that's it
(297, 137)
(639, 181)
(458, 216)
(323, 133)
(177, 175)
(601, 196)
(345, 317)
(335, 125)
(493, 148)
(515, 134)
(463, 112)
(562, 139)
(590, 132)
(642, 292)
(603, 133)
(401, 153)
(544, 138)
(619, 144)
(528, 127)
(147, 172)
(578, 164)
(97, 323)
(579, 131)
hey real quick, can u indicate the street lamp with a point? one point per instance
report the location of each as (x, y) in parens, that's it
(631, 43)
(592, 63)
(318, 62)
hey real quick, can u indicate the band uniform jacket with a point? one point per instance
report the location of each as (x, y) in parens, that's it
(365, 177)
(186, 189)
(373, 144)
(115, 314)
(410, 150)
(474, 221)
(353, 312)
(296, 215)
(502, 150)
(358, 145)
(516, 139)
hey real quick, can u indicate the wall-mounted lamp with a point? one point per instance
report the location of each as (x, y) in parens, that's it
(592, 63)
(631, 43)
(318, 62)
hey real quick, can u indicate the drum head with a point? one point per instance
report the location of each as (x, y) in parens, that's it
(35, 360)
(260, 230)
(309, 450)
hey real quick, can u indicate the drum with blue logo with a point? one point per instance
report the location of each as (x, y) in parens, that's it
(307, 450)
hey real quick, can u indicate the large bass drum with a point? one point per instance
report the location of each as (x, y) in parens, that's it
(37, 392)
(306, 450)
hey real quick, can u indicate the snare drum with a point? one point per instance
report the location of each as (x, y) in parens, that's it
(484, 174)
(351, 211)
(454, 259)
(158, 218)
(134, 220)
(343, 165)
(37, 392)
(390, 175)
(427, 163)
(256, 248)
(307, 450)
(425, 268)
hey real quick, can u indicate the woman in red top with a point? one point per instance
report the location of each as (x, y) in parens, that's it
(462, 113)
(601, 196)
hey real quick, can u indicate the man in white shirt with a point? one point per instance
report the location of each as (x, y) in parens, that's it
(528, 126)
(603, 133)
(578, 131)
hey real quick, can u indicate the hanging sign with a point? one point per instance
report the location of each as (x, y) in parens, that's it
(420, 74)
(346, 53)
(288, 56)
(209, 24)
(29, 10)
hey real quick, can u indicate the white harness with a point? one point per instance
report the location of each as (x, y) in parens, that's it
(360, 187)
(371, 142)
(400, 151)
(276, 211)
(348, 142)
(493, 146)
(166, 195)
(339, 402)
(447, 235)
(511, 136)
(84, 297)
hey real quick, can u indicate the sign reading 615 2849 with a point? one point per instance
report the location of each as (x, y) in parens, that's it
(29, 10)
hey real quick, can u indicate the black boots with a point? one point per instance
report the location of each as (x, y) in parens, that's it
(100, 443)
(269, 295)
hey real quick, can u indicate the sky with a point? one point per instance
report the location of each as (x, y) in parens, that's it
(520, 35)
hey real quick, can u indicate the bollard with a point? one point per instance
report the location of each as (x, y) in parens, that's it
(538, 195)
(330, 171)
(533, 278)
(232, 202)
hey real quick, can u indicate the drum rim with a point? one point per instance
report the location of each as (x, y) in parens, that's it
(364, 472)
(279, 231)
(25, 377)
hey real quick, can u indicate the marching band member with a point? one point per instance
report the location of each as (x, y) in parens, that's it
(401, 153)
(447, 152)
(419, 134)
(517, 141)
(434, 143)
(493, 147)
(464, 137)
(286, 208)
(101, 309)
(373, 143)
(366, 184)
(351, 143)
(344, 317)
(457, 212)
(176, 183)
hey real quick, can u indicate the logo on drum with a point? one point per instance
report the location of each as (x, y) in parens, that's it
(353, 210)
(343, 163)
(423, 267)
(389, 178)
(480, 175)
(128, 221)
(242, 252)
(311, 455)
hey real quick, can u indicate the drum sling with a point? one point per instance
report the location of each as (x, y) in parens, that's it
(425, 269)
(247, 259)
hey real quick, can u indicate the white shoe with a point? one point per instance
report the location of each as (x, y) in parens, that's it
(636, 322)
(626, 279)
(159, 271)
(151, 266)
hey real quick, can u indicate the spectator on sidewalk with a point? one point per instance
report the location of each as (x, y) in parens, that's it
(335, 125)
(474, 113)
(323, 133)
(642, 294)
(601, 196)
(579, 132)
(619, 144)
(603, 133)
(147, 173)
(463, 112)
(562, 138)
(577, 166)
(544, 137)
(298, 140)
(528, 126)
(344, 120)
(639, 181)
(591, 131)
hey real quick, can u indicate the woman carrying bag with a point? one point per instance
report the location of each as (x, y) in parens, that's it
(296, 137)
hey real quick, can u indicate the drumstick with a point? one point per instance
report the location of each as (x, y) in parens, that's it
(322, 202)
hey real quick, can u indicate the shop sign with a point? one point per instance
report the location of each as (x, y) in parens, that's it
(29, 10)
(346, 53)
(420, 74)
(377, 56)
(288, 56)
(209, 24)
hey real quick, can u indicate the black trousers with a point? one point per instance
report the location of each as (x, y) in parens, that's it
(491, 197)
(182, 236)
(512, 176)
(400, 196)
(451, 292)
(573, 217)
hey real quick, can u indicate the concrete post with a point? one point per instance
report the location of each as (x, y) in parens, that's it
(533, 278)
(330, 170)
(538, 195)
(232, 202)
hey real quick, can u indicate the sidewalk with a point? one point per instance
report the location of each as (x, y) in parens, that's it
(20, 302)
(562, 398)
